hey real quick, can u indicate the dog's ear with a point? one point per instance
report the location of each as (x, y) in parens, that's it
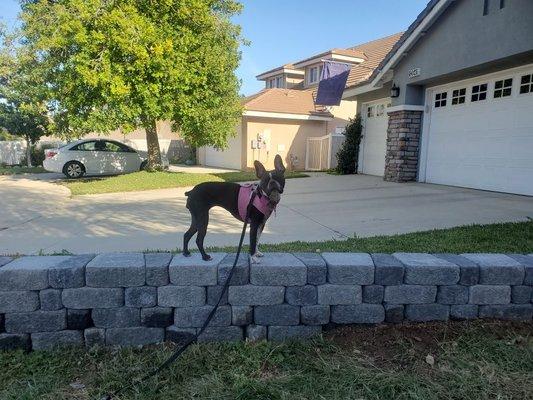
(260, 169)
(278, 164)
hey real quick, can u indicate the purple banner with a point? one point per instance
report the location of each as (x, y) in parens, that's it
(332, 83)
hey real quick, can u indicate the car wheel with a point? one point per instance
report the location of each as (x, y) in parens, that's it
(73, 170)
(144, 164)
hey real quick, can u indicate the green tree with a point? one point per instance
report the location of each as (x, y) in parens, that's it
(108, 64)
(348, 154)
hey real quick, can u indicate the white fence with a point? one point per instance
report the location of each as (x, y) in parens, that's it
(321, 152)
(12, 152)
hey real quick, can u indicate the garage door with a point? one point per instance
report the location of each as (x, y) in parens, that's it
(480, 133)
(374, 143)
(227, 158)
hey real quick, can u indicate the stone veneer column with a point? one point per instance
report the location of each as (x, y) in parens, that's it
(403, 140)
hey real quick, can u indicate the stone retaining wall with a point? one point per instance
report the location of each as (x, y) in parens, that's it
(135, 299)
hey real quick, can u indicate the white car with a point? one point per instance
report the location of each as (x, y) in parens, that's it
(95, 157)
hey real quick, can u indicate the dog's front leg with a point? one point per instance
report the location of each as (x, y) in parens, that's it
(254, 228)
(259, 232)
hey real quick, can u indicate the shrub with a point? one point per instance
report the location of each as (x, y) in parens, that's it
(37, 154)
(348, 154)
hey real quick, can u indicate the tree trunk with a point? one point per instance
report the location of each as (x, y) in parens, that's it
(152, 142)
(28, 152)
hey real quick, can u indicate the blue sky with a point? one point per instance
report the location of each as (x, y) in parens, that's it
(281, 31)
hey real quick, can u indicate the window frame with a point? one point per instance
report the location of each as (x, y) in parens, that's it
(441, 99)
(530, 84)
(370, 111)
(458, 96)
(479, 92)
(318, 69)
(76, 147)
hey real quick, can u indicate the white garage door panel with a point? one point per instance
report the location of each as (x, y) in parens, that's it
(374, 143)
(484, 145)
(227, 158)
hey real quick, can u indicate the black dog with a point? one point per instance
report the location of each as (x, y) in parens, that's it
(226, 195)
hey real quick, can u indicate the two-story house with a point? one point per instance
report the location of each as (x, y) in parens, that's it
(283, 116)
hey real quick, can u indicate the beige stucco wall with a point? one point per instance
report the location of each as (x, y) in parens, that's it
(287, 138)
(342, 113)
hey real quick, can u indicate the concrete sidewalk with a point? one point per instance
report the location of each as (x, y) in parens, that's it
(39, 216)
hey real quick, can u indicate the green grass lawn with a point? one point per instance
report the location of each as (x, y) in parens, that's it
(15, 170)
(157, 180)
(510, 237)
(477, 360)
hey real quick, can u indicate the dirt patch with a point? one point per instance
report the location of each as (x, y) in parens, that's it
(398, 345)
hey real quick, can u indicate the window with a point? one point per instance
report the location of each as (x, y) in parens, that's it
(380, 110)
(370, 112)
(86, 146)
(440, 99)
(526, 84)
(479, 92)
(502, 4)
(503, 88)
(279, 82)
(486, 7)
(314, 74)
(459, 96)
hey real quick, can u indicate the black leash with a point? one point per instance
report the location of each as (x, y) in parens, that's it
(193, 338)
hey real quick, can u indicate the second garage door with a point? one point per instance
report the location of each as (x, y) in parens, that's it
(374, 143)
(480, 133)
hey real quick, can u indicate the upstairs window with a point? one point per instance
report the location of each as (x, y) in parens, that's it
(440, 99)
(503, 88)
(279, 82)
(479, 92)
(526, 84)
(459, 96)
(314, 74)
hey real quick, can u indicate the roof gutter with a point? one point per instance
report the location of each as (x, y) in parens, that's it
(268, 114)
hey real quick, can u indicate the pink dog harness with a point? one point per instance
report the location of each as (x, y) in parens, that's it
(260, 202)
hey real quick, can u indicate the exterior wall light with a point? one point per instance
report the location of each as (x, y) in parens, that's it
(394, 91)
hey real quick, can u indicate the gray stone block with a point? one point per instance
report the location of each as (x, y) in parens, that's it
(242, 315)
(52, 340)
(86, 297)
(469, 270)
(193, 270)
(254, 333)
(213, 294)
(301, 295)
(394, 313)
(388, 270)
(36, 321)
(373, 294)
(28, 273)
(15, 341)
(490, 294)
(221, 334)
(179, 335)
(18, 301)
(241, 274)
(498, 269)
(349, 268)
(157, 317)
(280, 314)
(315, 315)
(157, 268)
(94, 337)
(79, 319)
(250, 295)
(4, 260)
(521, 294)
(195, 317)
(140, 296)
(70, 273)
(358, 314)
(453, 294)
(520, 312)
(50, 299)
(464, 311)
(116, 270)
(277, 333)
(279, 269)
(426, 269)
(138, 336)
(116, 317)
(339, 294)
(410, 294)
(317, 269)
(180, 296)
(427, 312)
(527, 262)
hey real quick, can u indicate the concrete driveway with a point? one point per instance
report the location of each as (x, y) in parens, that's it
(40, 216)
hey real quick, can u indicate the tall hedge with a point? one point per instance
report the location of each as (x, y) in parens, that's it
(348, 154)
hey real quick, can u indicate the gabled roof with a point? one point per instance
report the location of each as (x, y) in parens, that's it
(287, 101)
(284, 69)
(346, 54)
